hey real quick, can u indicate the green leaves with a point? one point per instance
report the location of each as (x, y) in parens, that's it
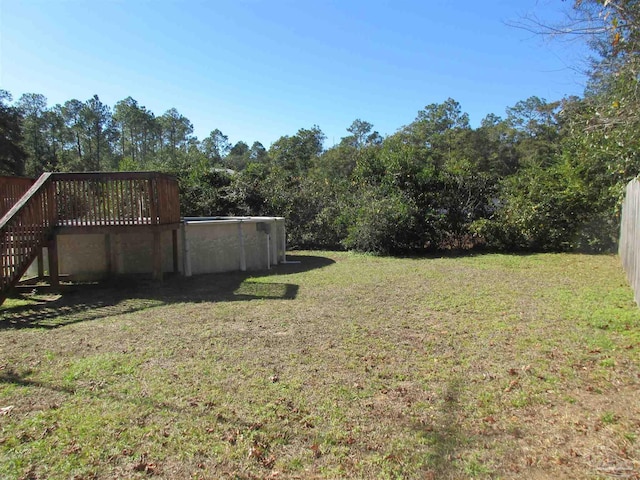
(12, 154)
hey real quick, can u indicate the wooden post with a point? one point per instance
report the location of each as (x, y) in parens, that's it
(54, 274)
(40, 264)
(157, 255)
(154, 197)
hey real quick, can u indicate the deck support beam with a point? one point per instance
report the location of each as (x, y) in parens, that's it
(40, 261)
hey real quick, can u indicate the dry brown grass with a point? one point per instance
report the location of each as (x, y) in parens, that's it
(345, 366)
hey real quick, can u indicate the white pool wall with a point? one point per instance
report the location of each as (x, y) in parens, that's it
(205, 245)
(224, 244)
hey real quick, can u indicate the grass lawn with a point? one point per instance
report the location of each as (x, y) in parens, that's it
(341, 366)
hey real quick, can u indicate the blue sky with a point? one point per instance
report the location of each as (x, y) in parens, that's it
(258, 70)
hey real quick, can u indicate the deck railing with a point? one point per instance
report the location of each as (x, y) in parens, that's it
(24, 229)
(84, 200)
(11, 190)
(116, 199)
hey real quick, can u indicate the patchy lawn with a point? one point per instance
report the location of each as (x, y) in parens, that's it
(342, 366)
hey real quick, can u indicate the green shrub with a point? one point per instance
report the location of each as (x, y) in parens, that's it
(381, 224)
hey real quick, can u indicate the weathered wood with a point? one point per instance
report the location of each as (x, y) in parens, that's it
(24, 199)
(121, 198)
(11, 189)
(23, 231)
(153, 207)
(629, 245)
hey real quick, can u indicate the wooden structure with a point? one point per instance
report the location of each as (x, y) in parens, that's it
(629, 245)
(35, 213)
(11, 190)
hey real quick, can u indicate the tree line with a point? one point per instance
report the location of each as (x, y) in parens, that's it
(548, 176)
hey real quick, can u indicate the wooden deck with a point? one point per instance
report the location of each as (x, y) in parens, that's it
(35, 212)
(90, 200)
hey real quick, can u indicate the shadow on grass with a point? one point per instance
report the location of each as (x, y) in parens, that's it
(445, 438)
(84, 302)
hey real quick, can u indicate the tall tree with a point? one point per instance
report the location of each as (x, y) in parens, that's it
(257, 153)
(495, 145)
(99, 133)
(139, 133)
(438, 119)
(55, 138)
(296, 153)
(216, 146)
(176, 132)
(32, 107)
(435, 127)
(537, 128)
(73, 120)
(125, 115)
(12, 154)
(238, 156)
(362, 135)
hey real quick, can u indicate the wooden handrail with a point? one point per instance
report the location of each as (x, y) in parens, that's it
(24, 199)
(11, 189)
(111, 176)
(24, 230)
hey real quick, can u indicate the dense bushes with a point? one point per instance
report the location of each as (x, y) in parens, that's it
(436, 184)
